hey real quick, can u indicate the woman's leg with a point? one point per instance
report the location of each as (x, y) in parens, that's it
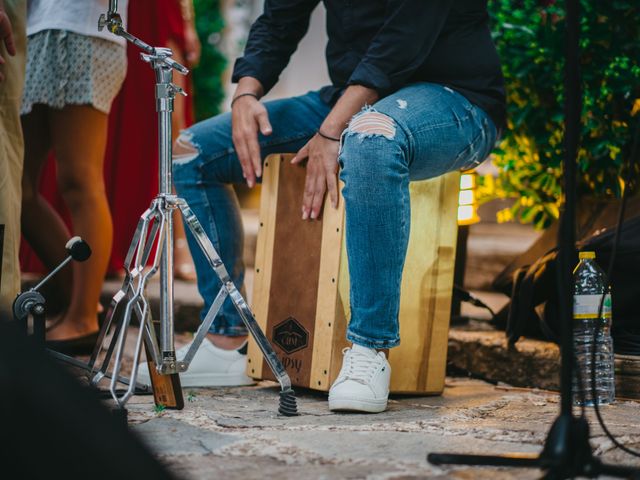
(79, 136)
(42, 227)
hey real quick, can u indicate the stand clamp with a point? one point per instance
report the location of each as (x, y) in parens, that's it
(31, 304)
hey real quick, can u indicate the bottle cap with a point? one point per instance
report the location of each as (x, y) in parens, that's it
(584, 255)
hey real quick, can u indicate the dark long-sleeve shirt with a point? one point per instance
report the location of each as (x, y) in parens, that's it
(385, 45)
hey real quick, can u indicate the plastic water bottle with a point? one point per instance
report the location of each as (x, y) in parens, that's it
(590, 284)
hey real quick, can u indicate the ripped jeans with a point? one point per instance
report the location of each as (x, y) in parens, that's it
(422, 131)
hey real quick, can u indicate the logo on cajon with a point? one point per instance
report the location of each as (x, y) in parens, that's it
(290, 336)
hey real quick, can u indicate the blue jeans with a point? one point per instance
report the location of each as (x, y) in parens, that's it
(431, 130)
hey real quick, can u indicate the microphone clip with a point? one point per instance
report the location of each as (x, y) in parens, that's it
(111, 20)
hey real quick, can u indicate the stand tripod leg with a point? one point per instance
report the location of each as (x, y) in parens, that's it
(132, 306)
(514, 460)
(166, 388)
(183, 363)
(127, 288)
(287, 397)
(132, 294)
(566, 454)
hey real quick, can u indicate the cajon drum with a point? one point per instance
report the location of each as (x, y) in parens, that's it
(301, 284)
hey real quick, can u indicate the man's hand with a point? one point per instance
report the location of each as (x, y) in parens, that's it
(248, 116)
(6, 34)
(322, 174)
(322, 167)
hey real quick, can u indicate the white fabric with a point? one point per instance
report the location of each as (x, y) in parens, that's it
(79, 16)
(210, 367)
(67, 68)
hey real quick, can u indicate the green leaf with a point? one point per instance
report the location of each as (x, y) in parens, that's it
(530, 41)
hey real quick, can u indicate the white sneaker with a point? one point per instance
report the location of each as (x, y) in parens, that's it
(363, 383)
(211, 367)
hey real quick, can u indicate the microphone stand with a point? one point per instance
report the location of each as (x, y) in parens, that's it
(156, 228)
(567, 452)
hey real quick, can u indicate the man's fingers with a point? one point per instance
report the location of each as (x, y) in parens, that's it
(301, 155)
(307, 196)
(7, 33)
(254, 153)
(332, 186)
(320, 188)
(245, 161)
(263, 123)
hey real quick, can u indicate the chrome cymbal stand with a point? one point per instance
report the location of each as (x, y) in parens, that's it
(154, 233)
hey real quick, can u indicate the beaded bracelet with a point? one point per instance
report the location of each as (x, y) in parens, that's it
(248, 94)
(328, 137)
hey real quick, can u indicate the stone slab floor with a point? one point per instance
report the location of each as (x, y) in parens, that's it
(237, 434)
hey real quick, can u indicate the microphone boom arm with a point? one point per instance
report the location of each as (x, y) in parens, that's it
(113, 21)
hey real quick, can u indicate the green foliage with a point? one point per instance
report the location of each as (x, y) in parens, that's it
(159, 408)
(530, 40)
(207, 77)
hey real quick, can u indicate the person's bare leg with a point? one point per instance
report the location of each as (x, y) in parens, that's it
(184, 269)
(41, 225)
(79, 135)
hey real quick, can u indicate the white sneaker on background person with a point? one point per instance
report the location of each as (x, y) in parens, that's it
(211, 367)
(363, 382)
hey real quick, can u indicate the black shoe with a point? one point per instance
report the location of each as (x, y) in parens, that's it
(83, 345)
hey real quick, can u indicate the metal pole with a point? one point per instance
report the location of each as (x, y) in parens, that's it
(164, 106)
(567, 230)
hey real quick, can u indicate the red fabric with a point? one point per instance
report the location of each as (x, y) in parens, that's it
(131, 159)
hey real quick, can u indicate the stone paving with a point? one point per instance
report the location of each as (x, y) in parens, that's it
(237, 433)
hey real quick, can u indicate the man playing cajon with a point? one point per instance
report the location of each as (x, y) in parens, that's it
(416, 92)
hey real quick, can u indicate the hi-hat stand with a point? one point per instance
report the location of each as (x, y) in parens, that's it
(567, 452)
(154, 235)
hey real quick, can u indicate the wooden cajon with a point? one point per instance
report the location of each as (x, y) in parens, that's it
(301, 285)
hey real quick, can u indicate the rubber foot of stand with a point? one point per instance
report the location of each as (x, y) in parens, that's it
(120, 415)
(288, 404)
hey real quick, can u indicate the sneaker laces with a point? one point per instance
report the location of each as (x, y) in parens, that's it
(359, 366)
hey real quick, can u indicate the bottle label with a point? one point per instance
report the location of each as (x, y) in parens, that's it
(586, 306)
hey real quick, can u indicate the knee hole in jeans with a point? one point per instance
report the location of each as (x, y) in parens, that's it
(371, 123)
(184, 151)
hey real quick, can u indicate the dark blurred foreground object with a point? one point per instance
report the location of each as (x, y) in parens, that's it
(53, 427)
(1, 250)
